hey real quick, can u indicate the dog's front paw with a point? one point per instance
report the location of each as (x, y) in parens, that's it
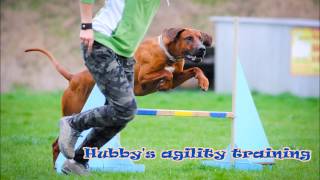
(203, 82)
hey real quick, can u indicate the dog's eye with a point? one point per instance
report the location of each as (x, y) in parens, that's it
(189, 38)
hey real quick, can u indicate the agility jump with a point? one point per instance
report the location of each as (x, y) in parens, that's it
(185, 113)
(247, 132)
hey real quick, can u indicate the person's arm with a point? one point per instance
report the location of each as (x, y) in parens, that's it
(86, 36)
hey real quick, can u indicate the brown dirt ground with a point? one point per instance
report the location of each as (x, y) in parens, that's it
(54, 25)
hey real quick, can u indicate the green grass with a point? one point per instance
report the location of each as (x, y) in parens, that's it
(29, 125)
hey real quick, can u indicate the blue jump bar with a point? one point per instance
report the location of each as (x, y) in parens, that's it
(149, 112)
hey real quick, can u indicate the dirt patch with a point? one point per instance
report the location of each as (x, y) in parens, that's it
(54, 25)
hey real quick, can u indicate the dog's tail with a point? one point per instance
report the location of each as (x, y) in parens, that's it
(63, 71)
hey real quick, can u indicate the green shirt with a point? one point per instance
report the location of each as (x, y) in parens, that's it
(122, 24)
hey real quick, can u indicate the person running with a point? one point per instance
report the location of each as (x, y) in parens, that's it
(108, 42)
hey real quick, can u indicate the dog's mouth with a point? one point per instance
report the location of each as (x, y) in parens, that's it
(193, 58)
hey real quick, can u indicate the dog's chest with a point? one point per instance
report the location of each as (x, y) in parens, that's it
(170, 68)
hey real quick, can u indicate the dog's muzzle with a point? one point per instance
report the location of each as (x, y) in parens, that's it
(197, 56)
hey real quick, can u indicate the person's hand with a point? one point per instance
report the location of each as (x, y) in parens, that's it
(87, 38)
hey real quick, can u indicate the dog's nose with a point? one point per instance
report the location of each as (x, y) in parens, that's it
(201, 51)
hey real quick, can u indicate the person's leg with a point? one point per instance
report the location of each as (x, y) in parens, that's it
(110, 75)
(100, 136)
(111, 78)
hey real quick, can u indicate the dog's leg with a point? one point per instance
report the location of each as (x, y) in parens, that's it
(180, 77)
(55, 151)
(159, 80)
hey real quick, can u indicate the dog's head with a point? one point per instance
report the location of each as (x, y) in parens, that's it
(187, 43)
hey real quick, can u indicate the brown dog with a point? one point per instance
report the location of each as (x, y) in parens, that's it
(159, 66)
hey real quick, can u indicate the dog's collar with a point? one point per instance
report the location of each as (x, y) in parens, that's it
(165, 50)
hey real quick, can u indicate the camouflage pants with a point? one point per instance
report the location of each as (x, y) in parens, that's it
(114, 77)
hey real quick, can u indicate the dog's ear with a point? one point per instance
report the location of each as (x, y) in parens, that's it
(172, 33)
(207, 39)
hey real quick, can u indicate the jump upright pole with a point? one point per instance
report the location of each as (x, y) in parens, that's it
(234, 84)
(247, 132)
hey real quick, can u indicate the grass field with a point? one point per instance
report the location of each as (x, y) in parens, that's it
(29, 125)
